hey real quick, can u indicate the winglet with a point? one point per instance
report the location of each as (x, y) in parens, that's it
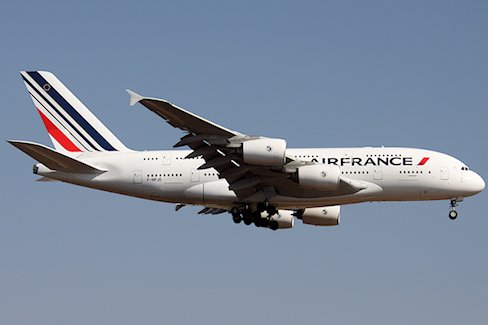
(134, 97)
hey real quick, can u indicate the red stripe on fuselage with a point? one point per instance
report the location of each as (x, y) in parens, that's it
(57, 134)
(423, 161)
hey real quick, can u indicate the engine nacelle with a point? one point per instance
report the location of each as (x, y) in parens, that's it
(323, 216)
(318, 177)
(264, 152)
(284, 218)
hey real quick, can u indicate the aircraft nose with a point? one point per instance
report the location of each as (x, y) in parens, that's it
(477, 183)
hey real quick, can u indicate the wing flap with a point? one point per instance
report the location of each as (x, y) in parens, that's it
(53, 159)
(208, 210)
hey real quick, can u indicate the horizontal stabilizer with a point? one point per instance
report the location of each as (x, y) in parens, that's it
(53, 159)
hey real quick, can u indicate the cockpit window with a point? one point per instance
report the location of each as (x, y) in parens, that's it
(464, 168)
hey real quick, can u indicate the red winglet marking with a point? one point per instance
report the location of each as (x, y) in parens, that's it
(57, 134)
(423, 161)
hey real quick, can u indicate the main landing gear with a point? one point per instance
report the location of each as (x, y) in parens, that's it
(452, 212)
(236, 215)
(261, 216)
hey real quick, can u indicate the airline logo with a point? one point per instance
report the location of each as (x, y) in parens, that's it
(373, 161)
(423, 161)
(62, 117)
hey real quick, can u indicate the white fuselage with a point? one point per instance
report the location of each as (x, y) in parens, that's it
(389, 174)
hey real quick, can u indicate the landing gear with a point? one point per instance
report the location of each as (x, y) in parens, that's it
(261, 206)
(453, 213)
(237, 218)
(247, 220)
(271, 210)
(247, 217)
(273, 225)
(264, 222)
(236, 215)
(256, 216)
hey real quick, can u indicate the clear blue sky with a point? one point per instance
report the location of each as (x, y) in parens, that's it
(318, 73)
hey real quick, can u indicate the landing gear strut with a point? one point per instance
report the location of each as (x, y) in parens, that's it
(453, 213)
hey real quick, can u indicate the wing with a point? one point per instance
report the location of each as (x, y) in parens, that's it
(180, 118)
(221, 149)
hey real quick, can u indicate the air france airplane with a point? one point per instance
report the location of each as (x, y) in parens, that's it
(258, 180)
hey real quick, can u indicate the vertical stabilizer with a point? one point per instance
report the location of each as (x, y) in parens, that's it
(70, 124)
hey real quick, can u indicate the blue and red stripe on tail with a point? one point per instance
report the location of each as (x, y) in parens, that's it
(70, 124)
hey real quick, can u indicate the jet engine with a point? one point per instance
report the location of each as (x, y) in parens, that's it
(323, 216)
(284, 218)
(264, 152)
(318, 177)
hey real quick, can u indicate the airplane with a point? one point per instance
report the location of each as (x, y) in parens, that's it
(258, 180)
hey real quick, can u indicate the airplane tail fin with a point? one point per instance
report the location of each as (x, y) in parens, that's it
(70, 124)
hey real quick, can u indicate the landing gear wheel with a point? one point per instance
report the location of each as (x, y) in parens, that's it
(247, 219)
(273, 225)
(236, 215)
(236, 218)
(264, 222)
(453, 214)
(256, 218)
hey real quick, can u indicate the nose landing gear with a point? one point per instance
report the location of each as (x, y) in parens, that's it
(453, 213)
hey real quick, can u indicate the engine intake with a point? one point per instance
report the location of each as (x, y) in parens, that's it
(264, 152)
(323, 216)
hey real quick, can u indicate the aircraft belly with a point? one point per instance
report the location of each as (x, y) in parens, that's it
(372, 193)
(216, 193)
(210, 193)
